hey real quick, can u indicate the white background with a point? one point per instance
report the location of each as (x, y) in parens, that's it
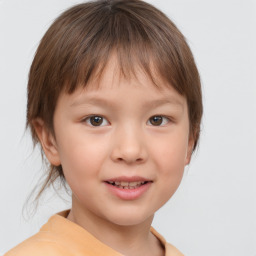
(213, 213)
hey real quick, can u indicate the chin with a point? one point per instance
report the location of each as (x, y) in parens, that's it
(130, 218)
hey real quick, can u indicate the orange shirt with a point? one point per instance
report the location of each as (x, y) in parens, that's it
(61, 237)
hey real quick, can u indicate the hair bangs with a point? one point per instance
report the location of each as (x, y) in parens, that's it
(120, 36)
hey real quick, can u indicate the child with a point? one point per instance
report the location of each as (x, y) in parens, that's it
(114, 99)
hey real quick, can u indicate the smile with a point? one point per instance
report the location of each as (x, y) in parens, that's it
(127, 184)
(128, 188)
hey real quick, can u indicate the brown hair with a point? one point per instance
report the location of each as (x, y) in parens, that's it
(79, 43)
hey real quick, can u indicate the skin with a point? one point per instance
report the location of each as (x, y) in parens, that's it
(127, 143)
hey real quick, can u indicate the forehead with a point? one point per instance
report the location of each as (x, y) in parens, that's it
(113, 86)
(114, 73)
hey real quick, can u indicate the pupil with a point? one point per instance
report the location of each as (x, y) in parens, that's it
(156, 120)
(96, 120)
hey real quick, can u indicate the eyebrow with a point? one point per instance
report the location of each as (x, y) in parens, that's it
(107, 103)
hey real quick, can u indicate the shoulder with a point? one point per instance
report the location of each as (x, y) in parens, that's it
(38, 246)
(46, 242)
(172, 251)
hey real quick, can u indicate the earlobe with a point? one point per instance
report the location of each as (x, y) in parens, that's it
(47, 141)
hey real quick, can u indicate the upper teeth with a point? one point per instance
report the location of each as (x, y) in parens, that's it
(127, 183)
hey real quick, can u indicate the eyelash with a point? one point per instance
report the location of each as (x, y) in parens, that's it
(167, 120)
(88, 120)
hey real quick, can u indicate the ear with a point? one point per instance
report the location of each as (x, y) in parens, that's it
(47, 141)
(190, 150)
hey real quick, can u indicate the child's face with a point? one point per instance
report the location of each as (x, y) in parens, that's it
(124, 131)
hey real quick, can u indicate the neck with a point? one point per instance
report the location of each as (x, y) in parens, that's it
(129, 240)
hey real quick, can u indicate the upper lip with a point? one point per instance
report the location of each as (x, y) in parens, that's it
(128, 179)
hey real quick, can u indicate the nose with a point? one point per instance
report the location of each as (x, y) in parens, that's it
(129, 146)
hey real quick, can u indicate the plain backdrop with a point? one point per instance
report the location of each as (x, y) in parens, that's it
(214, 210)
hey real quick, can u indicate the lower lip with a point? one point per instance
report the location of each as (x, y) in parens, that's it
(128, 194)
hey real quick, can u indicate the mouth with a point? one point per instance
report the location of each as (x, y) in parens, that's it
(128, 188)
(127, 184)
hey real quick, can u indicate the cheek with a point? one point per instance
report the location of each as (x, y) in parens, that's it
(169, 159)
(170, 163)
(170, 154)
(81, 156)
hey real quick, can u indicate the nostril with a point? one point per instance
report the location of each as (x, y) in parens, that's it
(138, 160)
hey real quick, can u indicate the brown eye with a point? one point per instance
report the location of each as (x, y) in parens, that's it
(158, 120)
(96, 121)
